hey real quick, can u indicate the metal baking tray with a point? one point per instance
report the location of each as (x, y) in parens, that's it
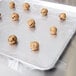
(51, 47)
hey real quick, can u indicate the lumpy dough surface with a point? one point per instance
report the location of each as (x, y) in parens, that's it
(62, 16)
(15, 16)
(12, 39)
(26, 6)
(11, 5)
(44, 12)
(53, 30)
(31, 23)
(34, 46)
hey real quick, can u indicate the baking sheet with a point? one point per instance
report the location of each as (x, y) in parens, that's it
(51, 47)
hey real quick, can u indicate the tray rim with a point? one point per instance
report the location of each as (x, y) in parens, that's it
(54, 5)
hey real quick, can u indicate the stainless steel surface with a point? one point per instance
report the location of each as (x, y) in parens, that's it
(67, 2)
(5, 70)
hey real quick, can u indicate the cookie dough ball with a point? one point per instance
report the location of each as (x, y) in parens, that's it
(44, 12)
(12, 40)
(26, 6)
(53, 30)
(15, 16)
(31, 23)
(62, 16)
(34, 46)
(11, 5)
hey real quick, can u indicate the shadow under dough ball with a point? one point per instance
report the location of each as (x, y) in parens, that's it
(15, 16)
(12, 40)
(34, 46)
(53, 30)
(26, 6)
(31, 23)
(44, 12)
(62, 16)
(11, 5)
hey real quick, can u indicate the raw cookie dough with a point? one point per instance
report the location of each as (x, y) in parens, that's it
(12, 40)
(53, 30)
(34, 46)
(62, 16)
(31, 23)
(26, 6)
(15, 16)
(44, 12)
(11, 5)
